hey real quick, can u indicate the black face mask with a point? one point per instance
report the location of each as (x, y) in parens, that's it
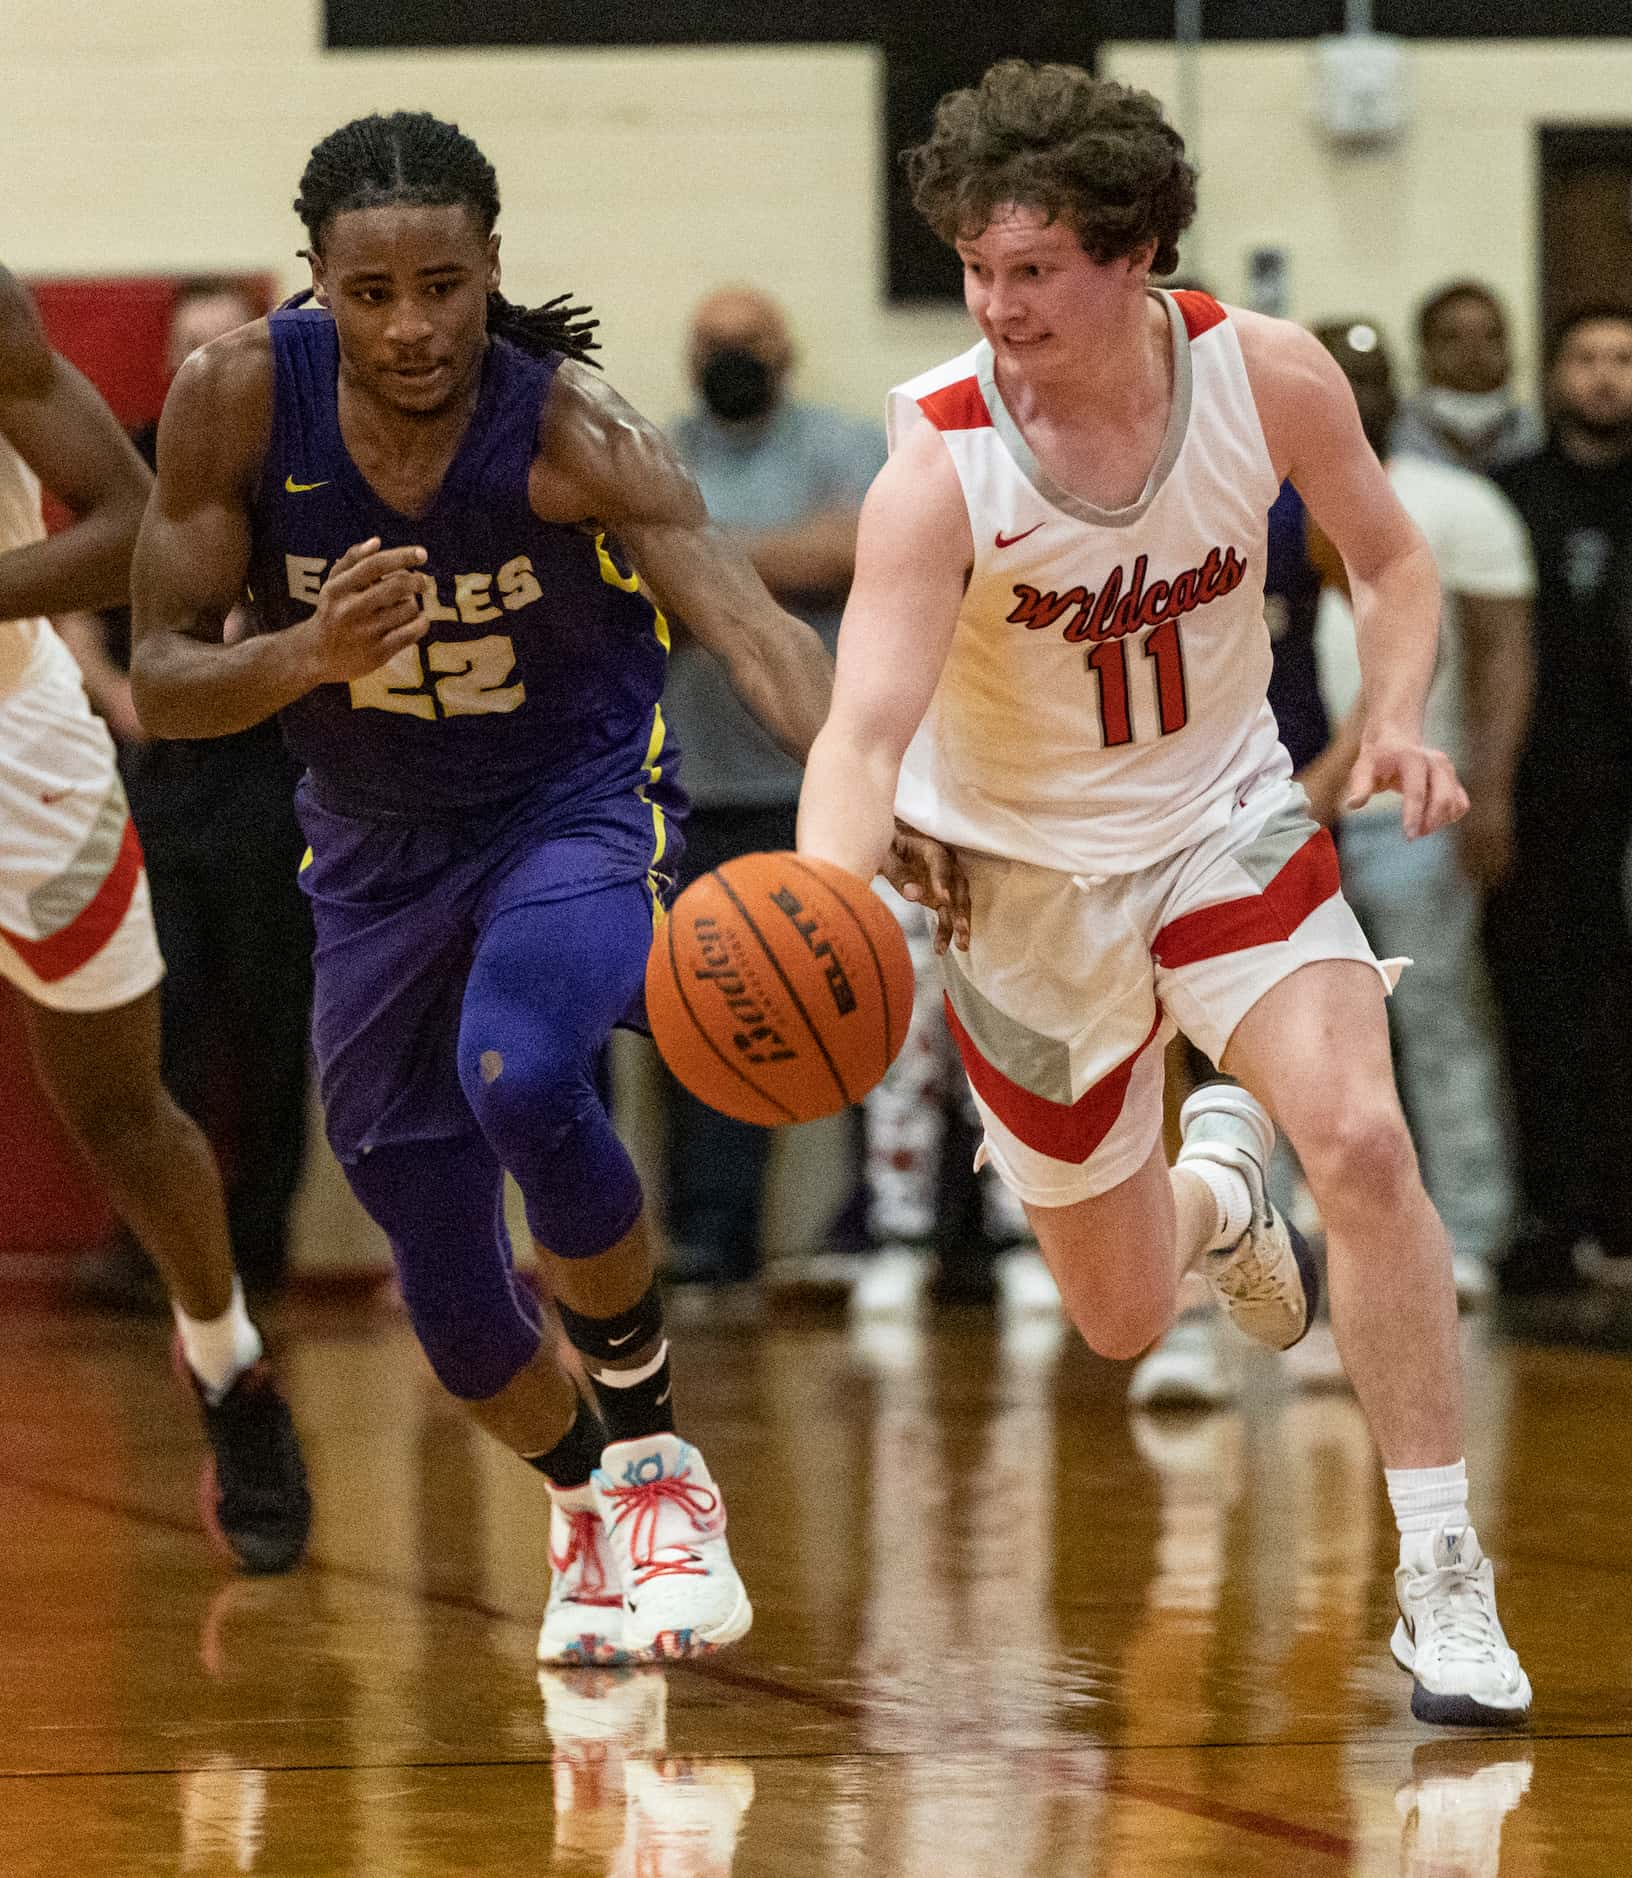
(737, 384)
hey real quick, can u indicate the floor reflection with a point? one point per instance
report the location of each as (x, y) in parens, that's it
(1452, 1813)
(624, 1806)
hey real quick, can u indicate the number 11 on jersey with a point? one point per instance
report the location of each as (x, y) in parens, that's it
(1108, 661)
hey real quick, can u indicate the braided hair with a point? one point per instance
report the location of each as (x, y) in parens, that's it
(410, 156)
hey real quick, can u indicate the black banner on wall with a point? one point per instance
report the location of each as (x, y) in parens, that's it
(929, 50)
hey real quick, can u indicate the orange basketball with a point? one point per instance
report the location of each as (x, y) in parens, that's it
(779, 988)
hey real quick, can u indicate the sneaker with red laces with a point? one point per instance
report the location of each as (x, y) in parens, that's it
(583, 1621)
(665, 1521)
(253, 1493)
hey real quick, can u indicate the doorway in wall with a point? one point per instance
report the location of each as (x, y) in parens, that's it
(1586, 217)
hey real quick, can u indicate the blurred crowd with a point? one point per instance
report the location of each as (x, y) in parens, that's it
(1510, 1028)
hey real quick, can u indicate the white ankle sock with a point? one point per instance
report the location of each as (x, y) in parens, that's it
(219, 1349)
(1231, 1196)
(1426, 1502)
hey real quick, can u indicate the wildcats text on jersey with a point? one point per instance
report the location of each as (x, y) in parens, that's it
(1112, 614)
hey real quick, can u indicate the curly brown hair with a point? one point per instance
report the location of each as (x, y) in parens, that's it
(1093, 153)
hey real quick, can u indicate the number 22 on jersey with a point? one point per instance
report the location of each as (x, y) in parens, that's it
(469, 678)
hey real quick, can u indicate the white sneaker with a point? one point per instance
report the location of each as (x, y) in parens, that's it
(583, 1621)
(1451, 1640)
(665, 1521)
(684, 1817)
(1267, 1280)
(1188, 1369)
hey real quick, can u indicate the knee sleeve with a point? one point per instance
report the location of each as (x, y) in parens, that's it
(440, 1203)
(545, 989)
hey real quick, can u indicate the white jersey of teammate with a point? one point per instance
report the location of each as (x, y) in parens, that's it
(76, 927)
(1102, 706)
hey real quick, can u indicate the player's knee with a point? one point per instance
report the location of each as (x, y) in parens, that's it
(129, 1130)
(527, 1091)
(1122, 1335)
(1360, 1148)
(475, 1362)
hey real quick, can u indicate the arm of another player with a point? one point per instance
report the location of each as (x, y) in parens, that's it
(192, 563)
(1314, 435)
(600, 461)
(913, 556)
(58, 424)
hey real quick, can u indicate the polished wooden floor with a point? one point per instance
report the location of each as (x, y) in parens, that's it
(1003, 1628)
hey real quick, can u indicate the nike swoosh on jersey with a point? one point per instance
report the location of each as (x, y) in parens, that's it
(299, 489)
(1008, 541)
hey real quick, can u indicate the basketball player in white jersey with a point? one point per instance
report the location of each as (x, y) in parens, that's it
(76, 932)
(1054, 662)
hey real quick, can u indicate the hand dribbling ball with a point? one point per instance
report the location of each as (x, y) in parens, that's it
(779, 988)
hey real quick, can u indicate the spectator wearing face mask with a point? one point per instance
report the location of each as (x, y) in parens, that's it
(788, 478)
(1466, 413)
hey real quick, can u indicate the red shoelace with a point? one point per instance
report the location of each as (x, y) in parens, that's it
(644, 1504)
(583, 1542)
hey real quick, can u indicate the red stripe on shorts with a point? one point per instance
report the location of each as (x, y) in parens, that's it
(1064, 1131)
(1308, 880)
(90, 930)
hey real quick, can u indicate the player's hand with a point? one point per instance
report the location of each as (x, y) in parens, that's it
(1425, 779)
(368, 609)
(1323, 781)
(928, 873)
(1485, 839)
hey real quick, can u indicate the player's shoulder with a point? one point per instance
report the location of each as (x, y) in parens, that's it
(220, 403)
(948, 395)
(596, 455)
(1281, 351)
(228, 376)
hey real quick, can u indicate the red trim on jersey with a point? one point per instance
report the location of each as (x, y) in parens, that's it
(957, 406)
(1200, 311)
(1307, 881)
(1065, 1131)
(93, 926)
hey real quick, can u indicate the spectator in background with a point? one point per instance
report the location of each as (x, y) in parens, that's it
(788, 477)
(1466, 413)
(1425, 899)
(1556, 933)
(217, 825)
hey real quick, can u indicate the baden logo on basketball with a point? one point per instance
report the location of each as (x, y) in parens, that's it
(755, 1039)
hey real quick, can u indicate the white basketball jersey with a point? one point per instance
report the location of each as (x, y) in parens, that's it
(20, 523)
(1103, 699)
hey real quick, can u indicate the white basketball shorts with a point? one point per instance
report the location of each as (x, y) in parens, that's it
(1073, 984)
(76, 927)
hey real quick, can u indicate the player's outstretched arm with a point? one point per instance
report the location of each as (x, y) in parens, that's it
(600, 461)
(1314, 434)
(58, 424)
(913, 555)
(192, 563)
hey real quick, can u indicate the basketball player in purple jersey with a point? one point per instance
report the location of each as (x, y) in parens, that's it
(440, 514)
(76, 927)
(1054, 659)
